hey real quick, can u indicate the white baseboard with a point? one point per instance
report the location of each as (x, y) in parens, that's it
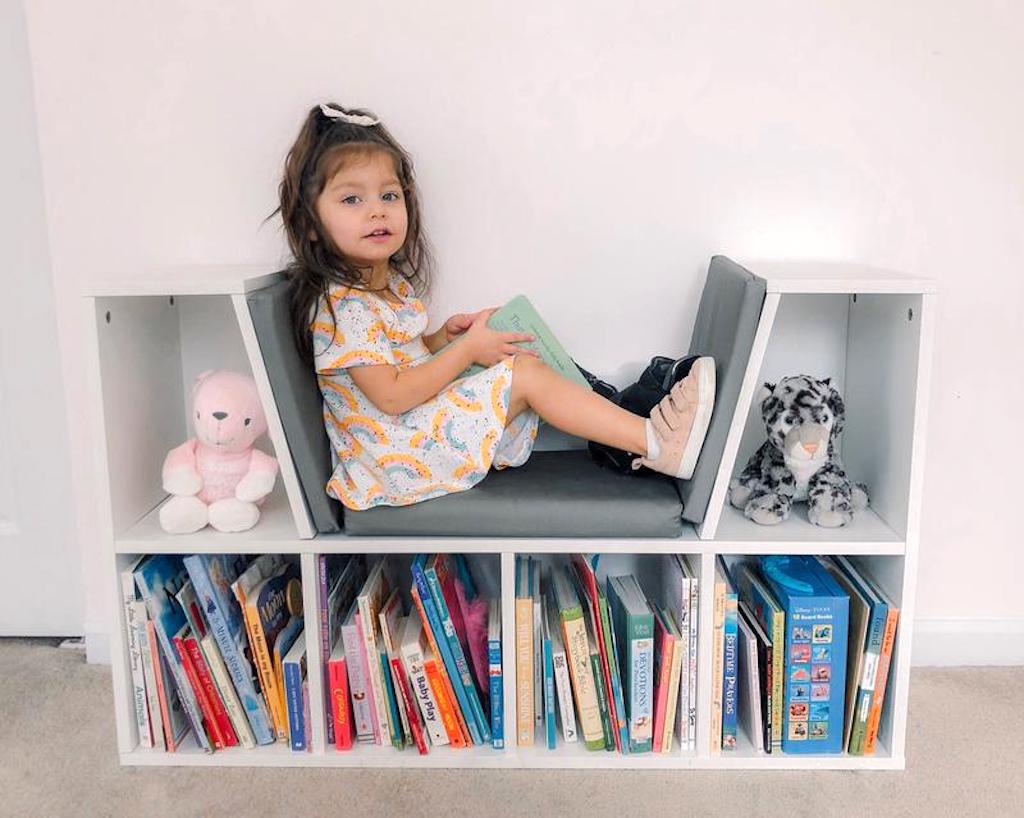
(97, 644)
(974, 641)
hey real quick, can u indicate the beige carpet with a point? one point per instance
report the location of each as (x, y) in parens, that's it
(57, 758)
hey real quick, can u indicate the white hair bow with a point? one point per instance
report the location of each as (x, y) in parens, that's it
(354, 119)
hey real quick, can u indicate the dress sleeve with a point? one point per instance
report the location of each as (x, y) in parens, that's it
(356, 337)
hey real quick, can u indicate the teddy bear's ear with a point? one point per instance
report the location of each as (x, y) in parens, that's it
(826, 381)
(765, 392)
(202, 376)
(835, 403)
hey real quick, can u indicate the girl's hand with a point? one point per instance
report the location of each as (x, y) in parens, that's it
(490, 346)
(458, 324)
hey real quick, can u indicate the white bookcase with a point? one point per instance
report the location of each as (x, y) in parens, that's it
(871, 330)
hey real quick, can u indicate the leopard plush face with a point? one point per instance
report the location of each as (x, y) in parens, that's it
(803, 416)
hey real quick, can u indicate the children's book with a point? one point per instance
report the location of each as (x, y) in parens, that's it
(212, 577)
(730, 666)
(372, 596)
(817, 619)
(763, 648)
(591, 593)
(884, 663)
(772, 619)
(525, 717)
(870, 647)
(147, 641)
(672, 646)
(519, 315)
(413, 644)
(364, 708)
(634, 630)
(603, 699)
(577, 648)
(437, 575)
(172, 711)
(337, 680)
(859, 648)
(293, 666)
(425, 579)
(283, 644)
(254, 574)
(437, 672)
(133, 627)
(159, 577)
(680, 589)
(750, 715)
(392, 624)
(391, 702)
(550, 727)
(495, 674)
(560, 667)
(538, 647)
(336, 576)
(269, 607)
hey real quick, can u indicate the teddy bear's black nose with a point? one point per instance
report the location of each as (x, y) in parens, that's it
(220, 415)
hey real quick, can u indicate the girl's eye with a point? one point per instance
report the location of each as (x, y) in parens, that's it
(350, 200)
(392, 196)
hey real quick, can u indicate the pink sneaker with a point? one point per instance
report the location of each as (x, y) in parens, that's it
(681, 421)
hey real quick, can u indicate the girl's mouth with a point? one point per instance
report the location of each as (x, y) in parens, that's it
(379, 235)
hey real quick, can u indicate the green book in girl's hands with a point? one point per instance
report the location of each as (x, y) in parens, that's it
(518, 315)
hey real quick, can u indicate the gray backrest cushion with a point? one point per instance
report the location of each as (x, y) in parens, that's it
(299, 402)
(727, 319)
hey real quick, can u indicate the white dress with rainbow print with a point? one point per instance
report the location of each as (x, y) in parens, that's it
(442, 446)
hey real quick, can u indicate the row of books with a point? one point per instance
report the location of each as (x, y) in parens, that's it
(429, 677)
(216, 647)
(613, 669)
(801, 653)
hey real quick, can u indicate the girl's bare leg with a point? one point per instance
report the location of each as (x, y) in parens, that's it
(573, 408)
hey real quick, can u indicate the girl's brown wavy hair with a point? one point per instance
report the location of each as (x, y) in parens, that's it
(322, 147)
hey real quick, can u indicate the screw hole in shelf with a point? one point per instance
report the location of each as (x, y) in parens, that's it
(910, 314)
(855, 298)
(108, 316)
(171, 300)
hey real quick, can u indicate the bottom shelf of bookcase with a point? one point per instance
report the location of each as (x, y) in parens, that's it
(373, 756)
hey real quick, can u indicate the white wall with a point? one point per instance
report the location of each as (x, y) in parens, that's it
(594, 156)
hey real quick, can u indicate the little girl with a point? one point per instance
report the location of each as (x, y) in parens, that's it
(404, 425)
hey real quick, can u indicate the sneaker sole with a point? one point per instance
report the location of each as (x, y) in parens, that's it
(705, 371)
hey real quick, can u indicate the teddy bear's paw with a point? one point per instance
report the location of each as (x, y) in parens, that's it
(183, 515)
(254, 487)
(232, 515)
(184, 482)
(829, 518)
(738, 495)
(767, 509)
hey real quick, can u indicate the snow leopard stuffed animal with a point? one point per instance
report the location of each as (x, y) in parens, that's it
(803, 417)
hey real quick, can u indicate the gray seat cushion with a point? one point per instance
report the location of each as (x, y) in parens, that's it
(299, 402)
(554, 494)
(730, 309)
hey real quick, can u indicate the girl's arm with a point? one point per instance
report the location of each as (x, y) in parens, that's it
(394, 390)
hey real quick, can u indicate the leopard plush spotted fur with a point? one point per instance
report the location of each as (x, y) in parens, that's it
(803, 417)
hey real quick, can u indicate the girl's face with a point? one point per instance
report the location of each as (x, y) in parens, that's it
(362, 208)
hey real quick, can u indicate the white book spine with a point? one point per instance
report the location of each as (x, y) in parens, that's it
(694, 630)
(564, 688)
(359, 688)
(227, 691)
(682, 613)
(132, 623)
(156, 720)
(412, 658)
(380, 699)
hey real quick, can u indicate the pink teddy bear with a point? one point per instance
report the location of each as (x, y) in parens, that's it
(217, 477)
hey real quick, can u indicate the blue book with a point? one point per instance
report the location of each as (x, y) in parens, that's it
(212, 575)
(430, 609)
(633, 623)
(294, 671)
(547, 658)
(495, 676)
(158, 578)
(435, 571)
(389, 693)
(817, 623)
(730, 668)
(869, 653)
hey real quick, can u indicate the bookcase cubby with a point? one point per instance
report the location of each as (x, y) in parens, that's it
(869, 330)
